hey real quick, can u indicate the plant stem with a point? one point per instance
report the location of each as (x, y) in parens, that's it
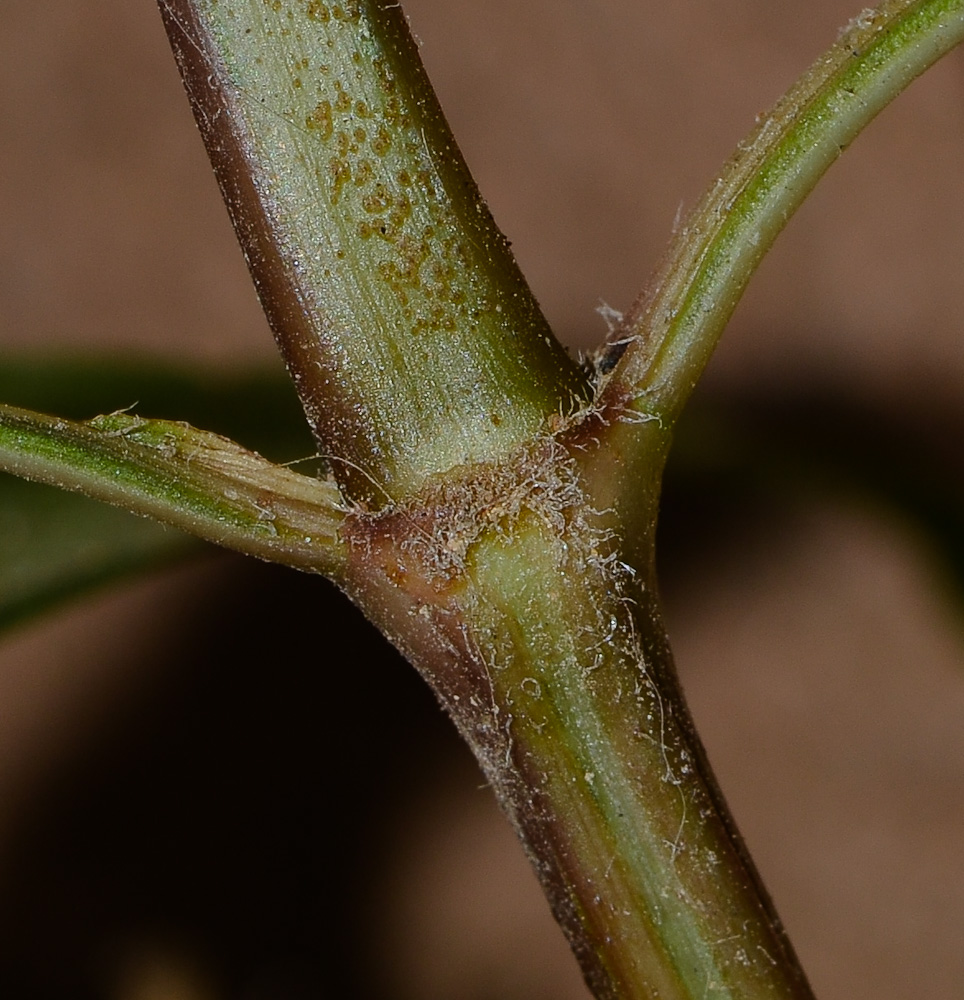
(674, 327)
(194, 480)
(507, 554)
(550, 654)
(414, 342)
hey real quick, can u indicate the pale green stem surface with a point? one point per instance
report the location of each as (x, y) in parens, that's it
(194, 480)
(638, 846)
(413, 339)
(509, 593)
(675, 326)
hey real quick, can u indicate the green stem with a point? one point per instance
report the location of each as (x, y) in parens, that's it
(674, 327)
(193, 480)
(475, 541)
(666, 904)
(414, 342)
(550, 654)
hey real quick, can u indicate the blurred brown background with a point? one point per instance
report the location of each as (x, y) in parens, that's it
(822, 656)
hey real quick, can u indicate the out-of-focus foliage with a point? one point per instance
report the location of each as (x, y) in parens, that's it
(736, 457)
(55, 544)
(733, 458)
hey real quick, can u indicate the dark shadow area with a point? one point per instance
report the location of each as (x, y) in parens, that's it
(233, 815)
(741, 462)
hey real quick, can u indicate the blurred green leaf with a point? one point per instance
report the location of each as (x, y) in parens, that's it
(54, 544)
(735, 458)
(258, 409)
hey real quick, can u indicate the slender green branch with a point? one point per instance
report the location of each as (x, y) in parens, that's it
(413, 339)
(673, 328)
(194, 480)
